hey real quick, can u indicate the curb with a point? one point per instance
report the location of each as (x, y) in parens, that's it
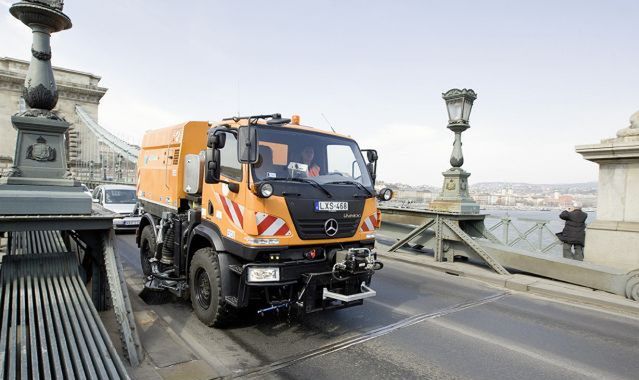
(554, 290)
(184, 363)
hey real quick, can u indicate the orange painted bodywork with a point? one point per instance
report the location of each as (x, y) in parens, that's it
(161, 161)
(161, 179)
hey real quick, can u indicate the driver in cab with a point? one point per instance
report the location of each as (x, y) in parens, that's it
(307, 155)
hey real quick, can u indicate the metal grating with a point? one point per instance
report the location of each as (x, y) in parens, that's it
(49, 327)
(176, 156)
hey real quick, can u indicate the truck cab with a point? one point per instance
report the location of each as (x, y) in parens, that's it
(258, 211)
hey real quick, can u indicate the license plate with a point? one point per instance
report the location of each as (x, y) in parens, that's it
(130, 222)
(331, 206)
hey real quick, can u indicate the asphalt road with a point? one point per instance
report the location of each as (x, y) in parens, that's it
(422, 324)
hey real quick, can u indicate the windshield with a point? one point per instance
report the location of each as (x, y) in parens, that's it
(286, 153)
(120, 196)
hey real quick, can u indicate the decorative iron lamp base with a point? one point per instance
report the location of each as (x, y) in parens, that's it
(39, 183)
(454, 196)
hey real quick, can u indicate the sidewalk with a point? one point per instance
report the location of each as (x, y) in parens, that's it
(167, 355)
(555, 290)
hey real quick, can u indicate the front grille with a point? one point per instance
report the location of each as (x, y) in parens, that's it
(314, 228)
(309, 223)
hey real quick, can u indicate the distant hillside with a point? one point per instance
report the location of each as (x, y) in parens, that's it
(566, 188)
(518, 187)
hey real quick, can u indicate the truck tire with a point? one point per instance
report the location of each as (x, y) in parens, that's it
(206, 288)
(147, 249)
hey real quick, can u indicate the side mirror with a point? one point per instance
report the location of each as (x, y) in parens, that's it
(234, 187)
(371, 155)
(385, 194)
(212, 166)
(215, 140)
(247, 144)
(371, 170)
(371, 166)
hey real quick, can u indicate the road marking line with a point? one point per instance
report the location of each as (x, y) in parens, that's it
(361, 338)
(396, 309)
(544, 356)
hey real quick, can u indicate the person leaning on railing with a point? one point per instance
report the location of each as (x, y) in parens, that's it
(574, 232)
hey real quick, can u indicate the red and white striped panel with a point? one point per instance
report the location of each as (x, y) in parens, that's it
(369, 223)
(269, 225)
(233, 210)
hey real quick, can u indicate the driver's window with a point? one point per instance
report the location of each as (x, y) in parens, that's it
(229, 165)
(340, 159)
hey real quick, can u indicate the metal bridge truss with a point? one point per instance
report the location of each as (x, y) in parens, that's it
(99, 156)
(446, 227)
(118, 145)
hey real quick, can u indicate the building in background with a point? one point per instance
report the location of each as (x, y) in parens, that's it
(94, 153)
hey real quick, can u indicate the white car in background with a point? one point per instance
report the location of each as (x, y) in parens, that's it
(120, 199)
(86, 190)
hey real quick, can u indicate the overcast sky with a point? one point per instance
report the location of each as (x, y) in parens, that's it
(549, 74)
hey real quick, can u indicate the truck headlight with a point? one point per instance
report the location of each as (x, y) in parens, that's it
(263, 274)
(385, 194)
(265, 190)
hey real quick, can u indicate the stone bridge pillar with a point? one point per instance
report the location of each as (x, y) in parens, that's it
(613, 238)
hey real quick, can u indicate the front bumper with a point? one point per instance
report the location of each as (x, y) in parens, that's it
(126, 223)
(311, 286)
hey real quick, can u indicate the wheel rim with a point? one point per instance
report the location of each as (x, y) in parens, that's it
(202, 288)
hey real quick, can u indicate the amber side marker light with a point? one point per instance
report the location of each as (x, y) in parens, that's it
(295, 119)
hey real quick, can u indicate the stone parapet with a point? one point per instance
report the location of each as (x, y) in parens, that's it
(613, 238)
(618, 193)
(610, 150)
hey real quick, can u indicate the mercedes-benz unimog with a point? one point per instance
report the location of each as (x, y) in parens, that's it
(257, 211)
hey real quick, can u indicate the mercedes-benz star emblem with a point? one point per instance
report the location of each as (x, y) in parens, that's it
(330, 227)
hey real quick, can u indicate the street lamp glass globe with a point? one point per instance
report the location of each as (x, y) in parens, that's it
(459, 104)
(468, 105)
(455, 107)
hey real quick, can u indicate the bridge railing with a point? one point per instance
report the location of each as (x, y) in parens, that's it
(534, 235)
(530, 234)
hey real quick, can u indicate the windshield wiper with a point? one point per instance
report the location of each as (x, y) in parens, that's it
(357, 184)
(303, 180)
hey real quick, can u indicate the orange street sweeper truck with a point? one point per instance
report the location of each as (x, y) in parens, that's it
(257, 212)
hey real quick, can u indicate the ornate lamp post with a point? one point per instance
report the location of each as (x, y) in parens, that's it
(103, 166)
(43, 17)
(119, 167)
(454, 196)
(40, 169)
(459, 104)
(91, 164)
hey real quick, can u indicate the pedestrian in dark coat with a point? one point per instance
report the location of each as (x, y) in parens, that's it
(574, 233)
